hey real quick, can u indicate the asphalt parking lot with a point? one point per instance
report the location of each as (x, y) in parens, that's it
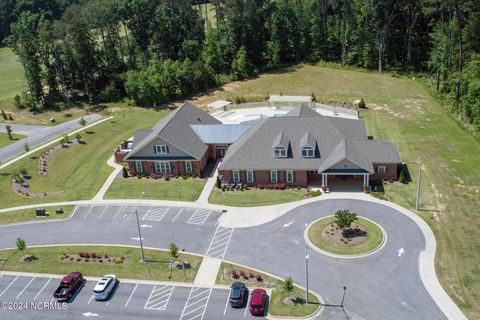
(129, 301)
(147, 214)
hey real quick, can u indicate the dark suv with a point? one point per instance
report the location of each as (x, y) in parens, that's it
(238, 293)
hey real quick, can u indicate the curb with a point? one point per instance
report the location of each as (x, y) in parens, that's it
(346, 256)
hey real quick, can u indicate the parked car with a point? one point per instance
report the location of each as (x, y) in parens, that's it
(258, 300)
(69, 286)
(104, 287)
(238, 293)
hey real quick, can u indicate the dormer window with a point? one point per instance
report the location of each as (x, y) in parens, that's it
(280, 152)
(161, 149)
(308, 152)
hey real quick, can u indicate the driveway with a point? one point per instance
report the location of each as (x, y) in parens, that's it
(385, 285)
(37, 135)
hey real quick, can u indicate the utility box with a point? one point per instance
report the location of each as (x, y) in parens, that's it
(41, 212)
(59, 211)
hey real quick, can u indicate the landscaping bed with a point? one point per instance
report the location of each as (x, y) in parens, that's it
(56, 260)
(362, 237)
(159, 189)
(30, 215)
(280, 305)
(230, 273)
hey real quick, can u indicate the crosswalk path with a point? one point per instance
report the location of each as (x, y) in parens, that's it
(220, 241)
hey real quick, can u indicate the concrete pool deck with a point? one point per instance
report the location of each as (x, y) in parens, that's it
(237, 116)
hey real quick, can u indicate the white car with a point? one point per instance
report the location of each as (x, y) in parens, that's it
(104, 287)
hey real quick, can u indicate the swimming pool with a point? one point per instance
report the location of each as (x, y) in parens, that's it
(252, 117)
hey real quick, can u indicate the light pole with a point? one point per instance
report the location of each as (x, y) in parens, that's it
(343, 298)
(139, 232)
(417, 203)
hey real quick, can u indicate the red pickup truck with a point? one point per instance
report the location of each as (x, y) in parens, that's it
(68, 286)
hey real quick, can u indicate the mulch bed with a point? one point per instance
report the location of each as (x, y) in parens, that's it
(352, 237)
(43, 161)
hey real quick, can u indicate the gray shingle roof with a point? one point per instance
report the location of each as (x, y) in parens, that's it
(302, 111)
(336, 139)
(281, 140)
(175, 129)
(308, 139)
(220, 133)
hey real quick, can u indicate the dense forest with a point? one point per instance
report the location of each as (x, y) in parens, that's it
(152, 51)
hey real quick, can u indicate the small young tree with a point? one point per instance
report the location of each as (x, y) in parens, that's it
(314, 98)
(26, 147)
(401, 178)
(173, 251)
(4, 115)
(18, 102)
(345, 218)
(362, 104)
(78, 136)
(9, 131)
(125, 172)
(66, 138)
(21, 245)
(287, 285)
(82, 122)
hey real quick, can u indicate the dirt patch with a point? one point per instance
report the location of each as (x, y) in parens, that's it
(351, 237)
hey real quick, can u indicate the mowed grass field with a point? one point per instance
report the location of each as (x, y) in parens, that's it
(5, 141)
(402, 111)
(12, 81)
(79, 171)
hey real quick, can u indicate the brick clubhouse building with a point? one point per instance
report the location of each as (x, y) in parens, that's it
(300, 148)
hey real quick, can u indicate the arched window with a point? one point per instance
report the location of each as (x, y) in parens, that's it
(308, 152)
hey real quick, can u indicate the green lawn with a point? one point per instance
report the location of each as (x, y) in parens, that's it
(79, 171)
(375, 237)
(402, 111)
(12, 81)
(278, 308)
(29, 215)
(132, 268)
(5, 141)
(255, 197)
(175, 189)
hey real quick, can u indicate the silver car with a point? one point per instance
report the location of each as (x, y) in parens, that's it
(104, 287)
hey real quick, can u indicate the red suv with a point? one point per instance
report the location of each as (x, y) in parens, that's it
(257, 302)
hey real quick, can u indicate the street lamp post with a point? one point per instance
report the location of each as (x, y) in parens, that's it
(139, 232)
(343, 298)
(306, 268)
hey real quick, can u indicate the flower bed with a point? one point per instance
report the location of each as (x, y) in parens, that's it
(91, 257)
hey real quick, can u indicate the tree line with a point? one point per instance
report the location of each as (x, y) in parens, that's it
(152, 51)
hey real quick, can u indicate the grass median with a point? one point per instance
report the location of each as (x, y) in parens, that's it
(48, 260)
(255, 197)
(27, 215)
(373, 241)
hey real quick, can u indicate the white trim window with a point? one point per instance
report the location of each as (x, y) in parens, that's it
(279, 152)
(162, 167)
(160, 149)
(139, 166)
(250, 177)
(188, 166)
(289, 175)
(382, 169)
(273, 176)
(308, 152)
(236, 176)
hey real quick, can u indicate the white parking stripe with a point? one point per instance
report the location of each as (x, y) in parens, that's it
(155, 214)
(246, 307)
(159, 298)
(90, 300)
(1, 294)
(180, 211)
(199, 216)
(46, 284)
(116, 214)
(196, 309)
(101, 214)
(131, 295)
(25, 288)
(226, 304)
(88, 212)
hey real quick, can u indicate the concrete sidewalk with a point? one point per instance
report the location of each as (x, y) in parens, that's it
(106, 185)
(207, 272)
(209, 185)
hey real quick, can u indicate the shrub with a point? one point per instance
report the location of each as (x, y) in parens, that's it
(362, 104)
(10, 116)
(61, 257)
(167, 178)
(93, 255)
(124, 172)
(87, 260)
(18, 102)
(218, 183)
(184, 177)
(71, 258)
(101, 261)
(105, 256)
(345, 218)
(401, 178)
(23, 171)
(68, 115)
(251, 275)
(245, 276)
(117, 260)
(259, 278)
(79, 259)
(4, 115)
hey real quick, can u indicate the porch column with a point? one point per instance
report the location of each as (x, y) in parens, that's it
(323, 180)
(368, 178)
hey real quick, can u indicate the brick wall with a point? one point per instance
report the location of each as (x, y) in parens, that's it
(177, 167)
(391, 173)
(263, 176)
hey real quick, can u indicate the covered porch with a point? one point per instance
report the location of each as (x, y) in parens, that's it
(345, 181)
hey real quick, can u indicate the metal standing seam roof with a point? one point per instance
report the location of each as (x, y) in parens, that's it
(219, 133)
